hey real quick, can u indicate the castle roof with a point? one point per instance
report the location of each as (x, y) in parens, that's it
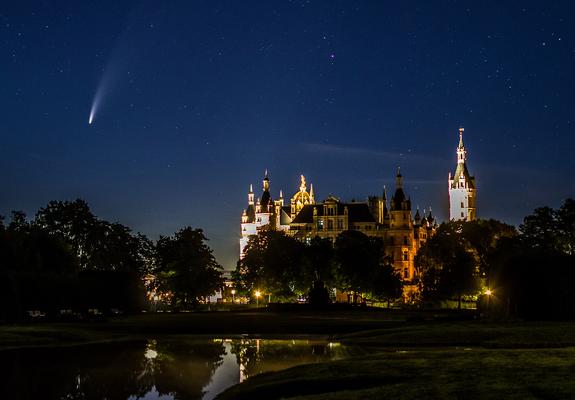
(251, 213)
(285, 215)
(357, 212)
(460, 171)
(266, 199)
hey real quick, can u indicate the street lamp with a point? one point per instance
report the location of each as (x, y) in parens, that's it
(156, 303)
(233, 296)
(488, 293)
(257, 294)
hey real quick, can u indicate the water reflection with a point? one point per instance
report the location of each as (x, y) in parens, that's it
(155, 369)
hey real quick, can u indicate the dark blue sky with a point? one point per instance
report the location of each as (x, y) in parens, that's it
(198, 98)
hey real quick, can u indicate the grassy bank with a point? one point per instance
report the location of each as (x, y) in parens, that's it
(218, 324)
(410, 355)
(463, 373)
(465, 360)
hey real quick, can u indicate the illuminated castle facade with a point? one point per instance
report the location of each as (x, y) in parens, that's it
(402, 232)
(462, 190)
(391, 220)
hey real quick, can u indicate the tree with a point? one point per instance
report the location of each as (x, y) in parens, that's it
(541, 230)
(386, 283)
(75, 223)
(357, 257)
(566, 225)
(319, 258)
(187, 267)
(483, 235)
(99, 245)
(533, 273)
(273, 263)
(448, 266)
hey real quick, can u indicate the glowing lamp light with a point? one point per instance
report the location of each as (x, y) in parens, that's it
(258, 293)
(488, 292)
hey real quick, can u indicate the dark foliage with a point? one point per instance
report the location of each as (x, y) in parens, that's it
(532, 275)
(186, 267)
(287, 268)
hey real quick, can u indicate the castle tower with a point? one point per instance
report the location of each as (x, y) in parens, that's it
(301, 198)
(248, 225)
(399, 236)
(462, 191)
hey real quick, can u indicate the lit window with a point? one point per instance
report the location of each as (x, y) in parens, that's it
(320, 224)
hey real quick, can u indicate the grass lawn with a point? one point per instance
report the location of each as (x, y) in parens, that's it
(463, 373)
(466, 360)
(408, 358)
(215, 324)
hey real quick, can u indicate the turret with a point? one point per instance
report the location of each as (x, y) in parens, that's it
(266, 182)
(251, 195)
(417, 218)
(462, 191)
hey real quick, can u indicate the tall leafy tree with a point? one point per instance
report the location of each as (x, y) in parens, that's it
(75, 223)
(273, 263)
(319, 258)
(386, 283)
(99, 245)
(186, 266)
(357, 257)
(448, 265)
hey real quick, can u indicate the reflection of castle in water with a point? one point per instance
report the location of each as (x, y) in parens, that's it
(256, 356)
(165, 369)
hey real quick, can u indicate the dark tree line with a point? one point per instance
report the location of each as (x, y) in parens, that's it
(533, 273)
(528, 273)
(287, 269)
(68, 259)
(453, 264)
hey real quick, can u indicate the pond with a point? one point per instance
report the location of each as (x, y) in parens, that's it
(159, 368)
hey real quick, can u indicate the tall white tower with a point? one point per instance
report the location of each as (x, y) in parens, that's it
(462, 191)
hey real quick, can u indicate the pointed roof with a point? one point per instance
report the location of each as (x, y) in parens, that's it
(461, 169)
(399, 196)
(266, 196)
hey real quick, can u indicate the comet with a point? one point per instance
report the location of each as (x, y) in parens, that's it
(98, 97)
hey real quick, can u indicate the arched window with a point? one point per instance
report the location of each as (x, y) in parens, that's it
(405, 256)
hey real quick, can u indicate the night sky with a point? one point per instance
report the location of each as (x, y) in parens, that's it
(195, 99)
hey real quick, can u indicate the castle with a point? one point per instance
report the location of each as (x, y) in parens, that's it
(402, 232)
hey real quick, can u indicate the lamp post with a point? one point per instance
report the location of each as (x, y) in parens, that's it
(257, 294)
(233, 296)
(488, 293)
(155, 303)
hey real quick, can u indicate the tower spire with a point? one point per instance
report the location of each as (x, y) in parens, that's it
(461, 153)
(251, 195)
(266, 181)
(462, 191)
(398, 179)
